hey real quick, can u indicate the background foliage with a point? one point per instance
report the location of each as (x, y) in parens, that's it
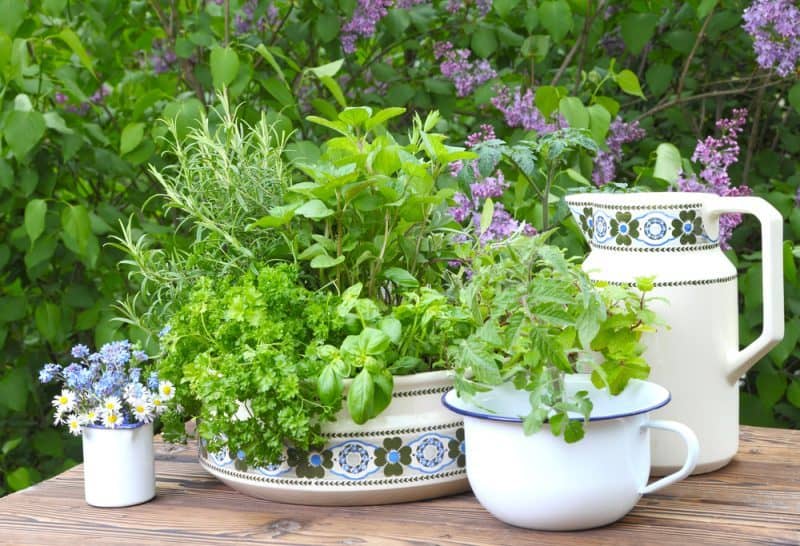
(84, 83)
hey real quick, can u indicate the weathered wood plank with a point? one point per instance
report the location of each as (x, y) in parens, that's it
(755, 500)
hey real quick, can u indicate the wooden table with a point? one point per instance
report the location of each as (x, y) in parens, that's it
(754, 500)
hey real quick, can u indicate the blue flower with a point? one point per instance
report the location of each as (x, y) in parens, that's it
(152, 381)
(116, 353)
(164, 331)
(135, 374)
(80, 351)
(72, 375)
(140, 356)
(48, 372)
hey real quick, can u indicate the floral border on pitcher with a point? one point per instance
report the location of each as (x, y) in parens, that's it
(399, 456)
(643, 228)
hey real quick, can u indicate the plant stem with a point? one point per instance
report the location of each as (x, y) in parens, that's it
(546, 199)
(689, 58)
(227, 10)
(751, 143)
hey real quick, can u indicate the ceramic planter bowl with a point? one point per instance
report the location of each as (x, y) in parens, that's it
(118, 465)
(414, 450)
(540, 481)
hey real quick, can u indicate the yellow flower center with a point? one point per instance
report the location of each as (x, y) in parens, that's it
(167, 389)
(140, 409)
(63, 400)
(112, 418)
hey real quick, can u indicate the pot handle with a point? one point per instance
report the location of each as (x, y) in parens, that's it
(772, 277)
(692, 450)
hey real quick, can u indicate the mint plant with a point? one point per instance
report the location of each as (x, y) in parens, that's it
(538, 317)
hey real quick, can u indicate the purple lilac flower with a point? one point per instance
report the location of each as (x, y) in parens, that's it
(456, 66)
(61, 98)
(483, 6)
(163, 57)
(605, 163)
(365, 19)
(102, 92)
(775, 28)
(485, 132)
(519, 110)
(489, 187)
(49, 372)
(716, 155)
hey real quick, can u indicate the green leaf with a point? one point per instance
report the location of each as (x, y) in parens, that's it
(53, 120)
(771, 386)
(356, 116)
(74, 43)
(484, 42)
(668, 163)
(401, 277)
(599, 122)
(793, 393)
(35, 212)
(629, 83)
(637, 29)
(392, 328)
(332, 86)
(20, 478)
(794, 97)
(48, 442)
(23, 131)
(577, 177)
(327, 27)
(314, 209)
(14, 389)
(329, 386)
(264, 52)
(575, 112)
(14, 13)
(10, 445)
(474, 356)
(323, 261)
(131, 136)
(658, 78)
(609, 104)
(546, 99)
(77, 229)
(48, 321)
(224, 66)
(504, 7)
(573, 432)
(486, 215)
(330, 69)
(360, 397)
(705, 8)
(281, 93)
(556, 18)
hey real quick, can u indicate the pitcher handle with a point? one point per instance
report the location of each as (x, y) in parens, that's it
(772, 276)
(692, 451)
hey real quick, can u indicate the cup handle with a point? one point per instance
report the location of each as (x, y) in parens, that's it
(772, 277)
(692, 449)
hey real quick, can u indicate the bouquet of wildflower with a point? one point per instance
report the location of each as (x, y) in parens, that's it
(106, 389)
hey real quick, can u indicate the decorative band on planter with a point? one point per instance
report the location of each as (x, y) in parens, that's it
(414, 450)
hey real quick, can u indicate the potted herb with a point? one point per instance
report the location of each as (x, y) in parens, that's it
(105, 399)
(308, 330)
(539, 322)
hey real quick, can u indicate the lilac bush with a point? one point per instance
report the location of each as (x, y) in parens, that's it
(456, 66)
(519, 110)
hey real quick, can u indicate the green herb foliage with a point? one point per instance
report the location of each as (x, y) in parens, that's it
(538, 318)
(243, 350)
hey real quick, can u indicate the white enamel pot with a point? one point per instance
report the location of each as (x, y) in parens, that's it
(540, 481)
(118, 465)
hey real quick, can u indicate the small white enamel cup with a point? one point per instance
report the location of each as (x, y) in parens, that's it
(540, 481)
(118, 465)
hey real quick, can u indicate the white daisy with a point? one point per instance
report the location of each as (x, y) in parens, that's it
(74, 425)
(111, 404)
(142, 411)
(64, 401)
(111, 419)
(58, 418)
(90, 417)
(166, 390)
(158, 405)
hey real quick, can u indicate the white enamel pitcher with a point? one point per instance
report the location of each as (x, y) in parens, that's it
(674, 236)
